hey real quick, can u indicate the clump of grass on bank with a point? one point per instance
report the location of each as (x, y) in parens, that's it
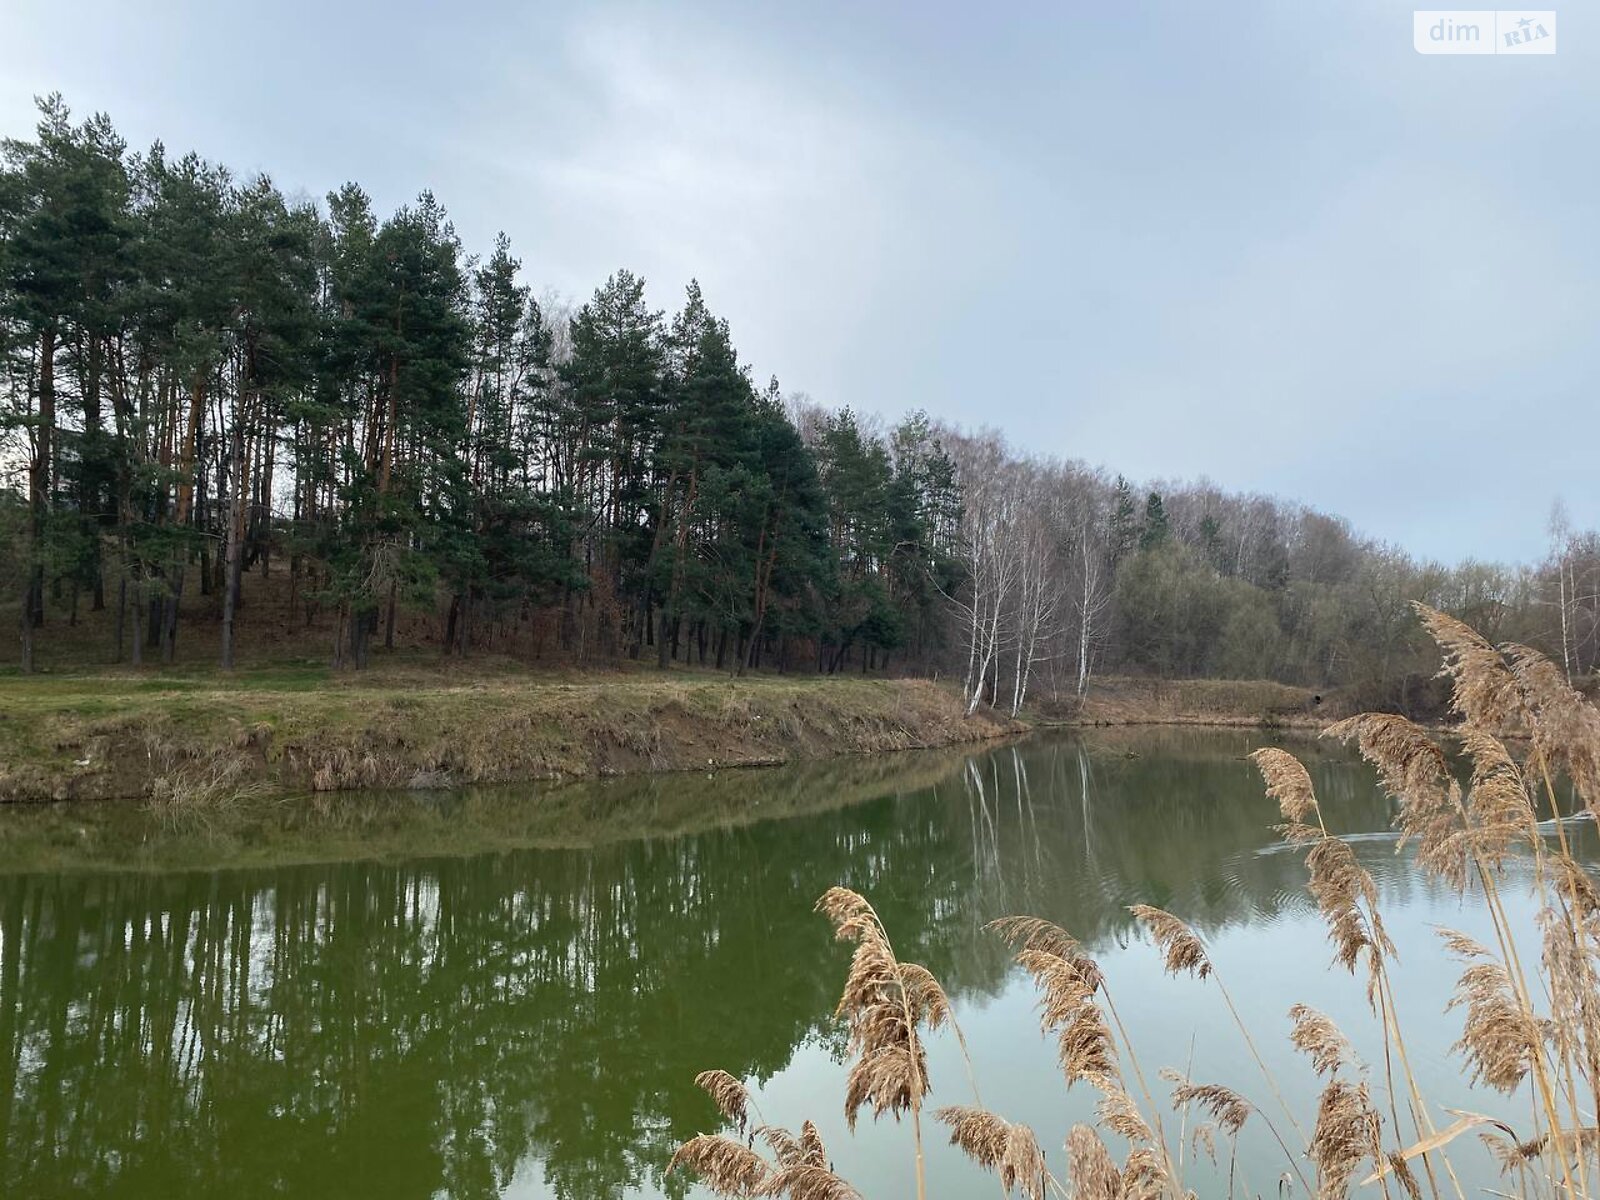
(194, 793)
(1529, 1005)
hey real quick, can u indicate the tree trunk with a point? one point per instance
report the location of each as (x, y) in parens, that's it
(122, 613)
(39, 476)
(235, 546)
(26, 629)
(138, 620)
(388, 621)
(169, 629)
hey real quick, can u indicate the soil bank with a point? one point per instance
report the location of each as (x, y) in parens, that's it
(129, 736)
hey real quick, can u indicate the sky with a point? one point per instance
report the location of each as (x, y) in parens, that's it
(1265, 243)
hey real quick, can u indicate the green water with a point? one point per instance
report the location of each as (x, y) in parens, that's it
(246, 1007)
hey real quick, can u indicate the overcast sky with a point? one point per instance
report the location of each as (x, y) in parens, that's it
(1266, 243)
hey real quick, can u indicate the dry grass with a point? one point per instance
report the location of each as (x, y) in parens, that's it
(1246, 704)
(1526, 1021)
(85, 737)
(193, 793)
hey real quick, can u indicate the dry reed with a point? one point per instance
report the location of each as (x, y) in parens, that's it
(1465, 838)
(1347, 1133)
(728, 1094)
(1181, 950)
(725, 1166)
(887, 1005)
(1320, 1038)
(807, 1181)
(1564, 728)
(1499, 1039)
(1010, 1150)
(1226, 1107)
(1091, 1170)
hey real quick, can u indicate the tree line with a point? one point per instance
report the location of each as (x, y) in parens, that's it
(1073, 572)
(204, 382)
(205, 379)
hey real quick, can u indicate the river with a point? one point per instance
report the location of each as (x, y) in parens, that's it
(508, 993)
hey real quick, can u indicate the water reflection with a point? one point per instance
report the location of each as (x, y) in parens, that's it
(456, 1024)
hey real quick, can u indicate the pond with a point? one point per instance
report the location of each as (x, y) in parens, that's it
(509, 993)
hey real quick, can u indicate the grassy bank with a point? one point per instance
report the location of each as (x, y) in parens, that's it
(169, 737)
(1228, 702)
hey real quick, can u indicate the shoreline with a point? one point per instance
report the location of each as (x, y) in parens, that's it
(177, 741)
(185, 740)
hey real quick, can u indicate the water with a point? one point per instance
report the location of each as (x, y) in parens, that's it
(244, 1006)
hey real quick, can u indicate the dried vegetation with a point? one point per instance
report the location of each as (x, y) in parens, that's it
(1528, 1005)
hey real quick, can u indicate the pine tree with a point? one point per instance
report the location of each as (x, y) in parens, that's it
(1155, 532)
(705, 435)
(1124, 534)
(614, 385)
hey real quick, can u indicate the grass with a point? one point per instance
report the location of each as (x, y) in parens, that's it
(1528, 1005)
(298, 727)
(1116, 700)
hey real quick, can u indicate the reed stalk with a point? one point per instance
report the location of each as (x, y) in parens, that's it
(1463, 839)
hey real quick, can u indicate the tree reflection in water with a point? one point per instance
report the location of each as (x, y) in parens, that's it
(433, 1025)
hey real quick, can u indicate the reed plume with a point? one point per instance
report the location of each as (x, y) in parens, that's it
(929, 1005)
(1347, 1133)
(1181, 949)
(885, 1003)
(727, 1167)
(812, 1150)
(1500, 810)
(1483, 688)
(1117, 1112)
(1565, 728)
(1414, 771)
(1341, 886)
(1145, 1176)
(890, 1072)
(1228, 1111)
(1091, 1171)
(1067, 1009)
(785, 1147)
(1224, 1105)
(1500, 1039)
(728, 1094)
(807, 1181)
(732, 1168)
(1068, 980)
(1401, 1170)
(1317, 1036)
(1571, 932)
(1009, 1149)
(1512, 1153)
(1290, 785)
(1038, 935)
